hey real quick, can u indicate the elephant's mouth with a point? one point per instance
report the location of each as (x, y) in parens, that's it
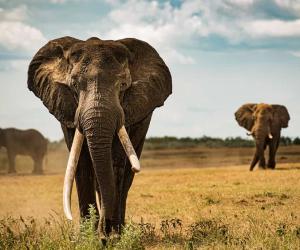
(73, 161)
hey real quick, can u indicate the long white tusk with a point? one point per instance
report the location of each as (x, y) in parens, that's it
(270, 136)
(129, 150)
(70, 172)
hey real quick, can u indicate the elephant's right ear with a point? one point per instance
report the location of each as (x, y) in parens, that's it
(283, 115)
(244, 115)
(47, 79)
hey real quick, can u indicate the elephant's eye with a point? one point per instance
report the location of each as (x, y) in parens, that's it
(75, 56)
(123, 85)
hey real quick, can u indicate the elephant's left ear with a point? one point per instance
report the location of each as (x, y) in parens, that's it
(283, 115)
(151, 81)
(244, 115)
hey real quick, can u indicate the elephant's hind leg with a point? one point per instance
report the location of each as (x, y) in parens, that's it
(38, 165)
(11, 163)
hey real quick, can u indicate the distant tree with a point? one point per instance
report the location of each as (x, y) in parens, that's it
(296, 141)
(286, 141)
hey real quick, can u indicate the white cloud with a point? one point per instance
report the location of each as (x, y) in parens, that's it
(242, 3)
(295, 53)
(14, 65)
(15, 34)
(57, 1)
(273, 28)
(289, 4)
(169, 28)
(17, 14)
(166, 26)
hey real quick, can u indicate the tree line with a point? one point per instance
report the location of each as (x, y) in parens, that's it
(188, 142)
(206, 141)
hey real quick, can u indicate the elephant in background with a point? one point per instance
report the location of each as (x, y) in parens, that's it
(24, 142)
(264, 122)
(99, 90)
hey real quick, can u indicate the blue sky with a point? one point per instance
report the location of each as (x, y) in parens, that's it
(221, 54)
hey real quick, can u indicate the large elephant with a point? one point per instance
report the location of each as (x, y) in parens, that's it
(264, 122)
(24, 142)
(97, 88)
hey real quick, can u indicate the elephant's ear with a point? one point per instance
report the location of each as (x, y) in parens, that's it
(47, 75)
(151, 81)
(244, 115)
(283, 115)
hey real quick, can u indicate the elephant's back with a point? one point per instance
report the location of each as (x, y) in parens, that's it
(26, 141)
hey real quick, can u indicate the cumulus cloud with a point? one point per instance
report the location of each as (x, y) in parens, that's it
(295, 53)
(15, 34)
(274, 28)
(289, 4)
(17, 14)
(171, 27)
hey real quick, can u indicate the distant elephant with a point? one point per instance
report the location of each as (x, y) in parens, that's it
(264, 122)
(96, 88)
(24, 142)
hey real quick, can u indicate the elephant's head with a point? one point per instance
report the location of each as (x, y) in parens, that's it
(262, 120)
(98, 86)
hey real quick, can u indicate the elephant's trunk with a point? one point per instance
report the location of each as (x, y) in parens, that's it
(99, 131)
(99, 128)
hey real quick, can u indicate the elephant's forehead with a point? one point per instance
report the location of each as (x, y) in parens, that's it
(105, 48)
(263, 106)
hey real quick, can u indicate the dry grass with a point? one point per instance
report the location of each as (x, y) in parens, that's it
(164, 158)
(217, 207)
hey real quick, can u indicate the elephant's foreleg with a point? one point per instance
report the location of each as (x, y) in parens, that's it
(11, 163)
(262, 161)
(254, 160)
(85, 183)
(119, 168)
(272, 153)
(137, 135)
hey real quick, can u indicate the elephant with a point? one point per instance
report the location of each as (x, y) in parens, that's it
(264, 122)
(103, 92)
(24, 142)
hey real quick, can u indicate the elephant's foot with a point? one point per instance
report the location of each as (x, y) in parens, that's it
(12, 171)
(271, 165)
(262, 164)
(262, 167)
(38, 171)
(117, 226)
(105, 229)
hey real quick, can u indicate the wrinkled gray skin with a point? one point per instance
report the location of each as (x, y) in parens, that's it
(24, 142)
(98, 86)
(262, 120)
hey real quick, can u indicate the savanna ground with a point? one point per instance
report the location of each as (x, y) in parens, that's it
(183, 199)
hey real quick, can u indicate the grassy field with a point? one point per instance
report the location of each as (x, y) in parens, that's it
(188, 199)
(197, 157)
